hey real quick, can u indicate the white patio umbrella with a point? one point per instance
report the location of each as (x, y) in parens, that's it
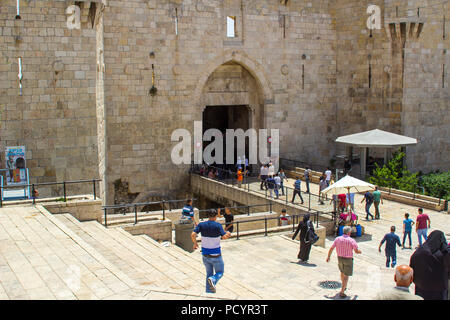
(349, 184)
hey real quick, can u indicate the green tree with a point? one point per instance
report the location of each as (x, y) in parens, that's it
(394, 174)
(437, 184)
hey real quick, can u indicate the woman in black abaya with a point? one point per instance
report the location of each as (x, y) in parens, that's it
(305, 248)
(431, 264)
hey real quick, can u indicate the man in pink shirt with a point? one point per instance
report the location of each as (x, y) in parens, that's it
(345, 246)
(421, 225)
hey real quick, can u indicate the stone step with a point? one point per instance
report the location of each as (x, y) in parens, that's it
(129, 218)
(150, 256)
(176, 270)
(110, 245)
(191, 263)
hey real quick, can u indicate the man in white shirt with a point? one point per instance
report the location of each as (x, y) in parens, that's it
(403, 278)
(328, 176)
(271, 169)
(239, 163)
(264, 171)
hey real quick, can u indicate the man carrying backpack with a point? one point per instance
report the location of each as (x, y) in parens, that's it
(368, 197)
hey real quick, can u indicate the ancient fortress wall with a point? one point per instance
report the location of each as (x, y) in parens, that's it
(55, 115)
(396, 78)
(314, 71)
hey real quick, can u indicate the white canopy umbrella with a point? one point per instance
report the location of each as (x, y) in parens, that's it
(349, 185)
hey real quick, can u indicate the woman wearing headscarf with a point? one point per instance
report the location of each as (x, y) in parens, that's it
(431, 264)
(305, 248)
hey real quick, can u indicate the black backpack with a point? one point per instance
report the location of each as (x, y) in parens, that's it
(310, 237)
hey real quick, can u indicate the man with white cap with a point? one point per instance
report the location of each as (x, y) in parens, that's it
(403, 278)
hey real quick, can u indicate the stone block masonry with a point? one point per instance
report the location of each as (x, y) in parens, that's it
(311, 69)
(55, 115)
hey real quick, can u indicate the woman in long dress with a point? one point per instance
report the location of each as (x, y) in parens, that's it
(305, 248)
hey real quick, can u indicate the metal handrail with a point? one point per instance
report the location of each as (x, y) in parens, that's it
(294, 219)
(241, 207)
(34, 185)
(135, 205)
(127, 205)
(247, 180)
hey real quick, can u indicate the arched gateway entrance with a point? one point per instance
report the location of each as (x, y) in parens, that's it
(232, 99)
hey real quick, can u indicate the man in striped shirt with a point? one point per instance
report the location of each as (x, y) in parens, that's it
(345, 246)
(211, 232)
(188, 212)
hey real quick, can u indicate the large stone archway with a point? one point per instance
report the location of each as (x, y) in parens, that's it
(232, 96)
(237, 57)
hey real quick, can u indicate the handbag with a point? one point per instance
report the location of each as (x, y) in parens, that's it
(310, 237)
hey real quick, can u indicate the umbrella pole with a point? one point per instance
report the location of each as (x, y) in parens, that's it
(349, 200)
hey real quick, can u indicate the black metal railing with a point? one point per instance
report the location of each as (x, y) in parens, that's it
(414, 188)
(243, 209)
(292, 164)
(124, 208)
(294, 221)
(268, 189)
(64, 184)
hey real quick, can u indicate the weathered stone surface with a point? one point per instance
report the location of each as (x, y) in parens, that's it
(86, 104)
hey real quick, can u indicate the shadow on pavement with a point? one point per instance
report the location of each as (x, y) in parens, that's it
(305, 264)
(337, 297)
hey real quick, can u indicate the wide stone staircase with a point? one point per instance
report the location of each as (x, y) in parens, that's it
(151, 264)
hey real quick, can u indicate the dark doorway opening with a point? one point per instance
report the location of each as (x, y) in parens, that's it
(223, 118)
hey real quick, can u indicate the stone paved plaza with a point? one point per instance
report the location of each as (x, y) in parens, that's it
(45, 256)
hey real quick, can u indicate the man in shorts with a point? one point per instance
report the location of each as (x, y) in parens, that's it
(345, 246)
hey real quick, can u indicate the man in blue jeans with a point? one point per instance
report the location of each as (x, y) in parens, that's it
(407, 228)
(368, 198)
(391, 240)
(211, 232)
(297, 189)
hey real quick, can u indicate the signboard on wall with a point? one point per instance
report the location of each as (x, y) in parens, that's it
(15, 165)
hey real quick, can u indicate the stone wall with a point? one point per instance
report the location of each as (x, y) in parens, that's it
(406, 58)
(82, 210)
(426, 97)
(55, 115)
(138, 141)
(86, 110)
(158, 230)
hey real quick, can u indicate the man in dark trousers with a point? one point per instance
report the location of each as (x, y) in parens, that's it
(391, 240)
(297, 189)
(229, 218)
(211, 232)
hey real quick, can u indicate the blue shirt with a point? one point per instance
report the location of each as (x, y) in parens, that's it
(297, 184)
(391, 240)
(369, 197)
(408, 224)
(211, 232)
(188, 212)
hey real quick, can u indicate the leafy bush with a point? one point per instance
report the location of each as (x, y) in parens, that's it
(394, 174)
(437, 184)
